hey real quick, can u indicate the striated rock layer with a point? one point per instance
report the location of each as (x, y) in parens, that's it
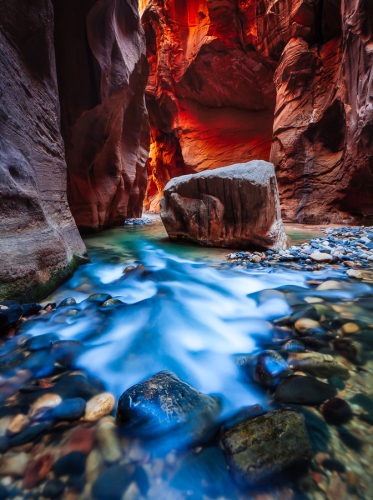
(210, 94)
(102, 73)
(236, 207)
(40, 245)
(323, 126)
(217, 67)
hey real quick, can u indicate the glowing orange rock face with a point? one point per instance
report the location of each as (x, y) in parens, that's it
(210, 94)
(212, 100)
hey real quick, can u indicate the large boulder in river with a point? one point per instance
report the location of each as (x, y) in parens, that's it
(236, 206)
(267, 445)
(165, 403)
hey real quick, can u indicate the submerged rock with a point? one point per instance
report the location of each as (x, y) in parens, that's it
(268, 368)
(318, 365)
(206, 207)
(165, 403)
(337, 411)
(267, 445)
(297, 389)
(10, 312)
(69, 301)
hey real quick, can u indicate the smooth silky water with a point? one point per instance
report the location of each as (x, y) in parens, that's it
(191, 312)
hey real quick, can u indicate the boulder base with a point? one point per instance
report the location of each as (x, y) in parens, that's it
(236, 206)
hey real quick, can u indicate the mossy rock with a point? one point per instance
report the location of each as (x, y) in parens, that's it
(267, 445)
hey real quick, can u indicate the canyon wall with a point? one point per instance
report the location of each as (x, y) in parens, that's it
(289, 80)
(102, 73)
(40, 245)
(210, 94)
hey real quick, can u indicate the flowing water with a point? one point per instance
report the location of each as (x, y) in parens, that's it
(186, 310)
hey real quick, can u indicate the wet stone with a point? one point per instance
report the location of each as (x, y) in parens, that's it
(297, 389)
(69, 301)
(10, 312)
(112, 303)
(19, 423)
(267, 445)
(65, 352)
(164, 403)
(112, 483)
(53, 488)
(318, 365)
(41, 342)
(268, 368)
(99, 298)
(37, 471)
(30, 309)
(337, 411)
(44, 403)
(70, 409)
(99, 406)
(72, 464)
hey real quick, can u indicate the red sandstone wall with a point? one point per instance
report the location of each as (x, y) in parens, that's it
(289, 80)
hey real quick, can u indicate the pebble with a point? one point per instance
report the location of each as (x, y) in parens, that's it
(37, 471)
(70, 409)
(297, 389)
(112, 483)
(106, 436)
(336, 411)
(112, 303)
(41, 342)
(69, 301)
(53, 488)
(99, 406)
(14, 464)
(304, 325)
(353, 273)
(318, 365)
(19, 423)
(99, 298)
(72, 464)
(321, 257)
(45, 402)
(349, 328)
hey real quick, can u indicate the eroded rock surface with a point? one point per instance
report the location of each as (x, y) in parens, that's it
(236, 206)
(164, 404)
(210, 93)
(102, 73)
(40, 245)
(267, 445)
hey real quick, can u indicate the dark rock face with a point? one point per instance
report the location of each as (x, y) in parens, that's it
(40, 245)
(165, 403)
(235, 206)
(267, 445)
(102, 72)
(297, 389)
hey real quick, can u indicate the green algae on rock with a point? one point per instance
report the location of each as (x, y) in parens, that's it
(267, 445)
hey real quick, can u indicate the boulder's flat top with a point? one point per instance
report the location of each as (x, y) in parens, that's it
(255, 171)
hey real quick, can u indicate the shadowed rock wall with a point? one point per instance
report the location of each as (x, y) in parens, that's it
(102, 73)
(40, 245)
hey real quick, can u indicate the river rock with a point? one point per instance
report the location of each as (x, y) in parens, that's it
(44, 403)
(10, 312)
(318, 365)
(267, 445)
(19, 423)
(53, 488)
(37, 471)
(99, 298)
(69, 301)
(165, 403)
(112, 483)
(14, 464)
(30, 309)
(353, 273)
(297, 389)
(70, 409)
(337, 411)
(72, 464)
(65, 352)
(207, 207)
(99, 406)
(41, 342)
(269, 367)
(321, 257)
